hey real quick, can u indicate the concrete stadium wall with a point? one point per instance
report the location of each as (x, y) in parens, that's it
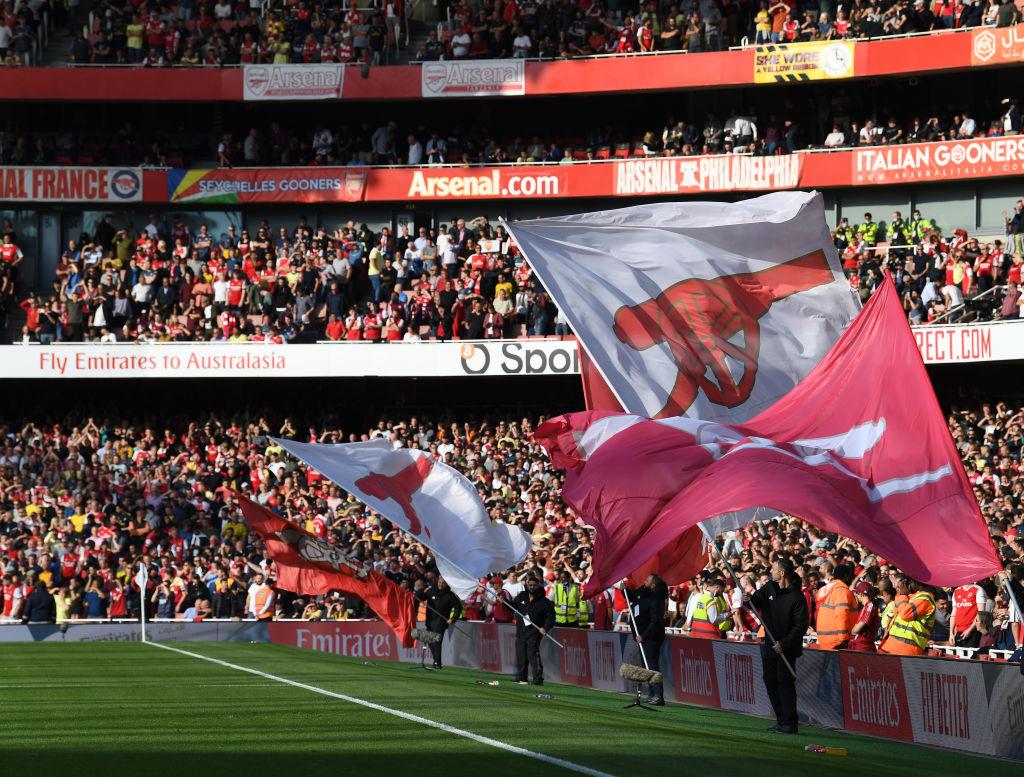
(972, 706)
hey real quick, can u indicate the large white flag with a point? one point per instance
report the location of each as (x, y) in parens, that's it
(707, 309)
(431, 501)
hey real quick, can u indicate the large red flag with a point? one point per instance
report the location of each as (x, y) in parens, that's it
(311, 566)
(860, 447)
(687, 555)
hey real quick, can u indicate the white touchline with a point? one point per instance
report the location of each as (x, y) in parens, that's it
(572, 767)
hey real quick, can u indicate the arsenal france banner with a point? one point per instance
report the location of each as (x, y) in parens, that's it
(860, 447)
(428, 499)
(311, 566)
(706, 309)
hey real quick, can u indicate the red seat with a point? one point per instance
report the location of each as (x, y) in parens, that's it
(603, 153)
(622, 150)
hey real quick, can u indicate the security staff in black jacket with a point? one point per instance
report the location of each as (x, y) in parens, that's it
(539, 619)
(649, 604)
(40, 607)
(783, 609)
(443, 609)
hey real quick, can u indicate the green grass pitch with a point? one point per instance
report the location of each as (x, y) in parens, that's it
(134, 709)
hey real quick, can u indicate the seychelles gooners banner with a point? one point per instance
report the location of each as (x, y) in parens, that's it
(311, 566)
(235, 186)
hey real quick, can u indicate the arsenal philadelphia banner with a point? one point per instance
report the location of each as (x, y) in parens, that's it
(428, 499)
(705, 309)
(860, 447)
(311, 566)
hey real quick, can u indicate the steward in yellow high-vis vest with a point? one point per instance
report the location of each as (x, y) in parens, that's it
(711, 617)
(565, 595)
(912, 623)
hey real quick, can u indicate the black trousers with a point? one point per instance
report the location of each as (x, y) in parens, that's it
(780, 684)
(528, 655)
(435, 647)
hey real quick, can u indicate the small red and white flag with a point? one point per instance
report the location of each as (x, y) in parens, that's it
(428, 499)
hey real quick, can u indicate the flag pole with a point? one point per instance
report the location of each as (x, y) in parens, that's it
(453, 623)
(636, 630)
(142, 579)
(746, 606)
(1019, 614)
(545, 635)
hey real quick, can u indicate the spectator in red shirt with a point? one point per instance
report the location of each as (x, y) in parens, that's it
(865, 630)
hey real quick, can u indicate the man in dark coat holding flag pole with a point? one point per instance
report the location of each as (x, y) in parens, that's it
(443, 609)
(783, 611)
(649, 603)
(535, 617)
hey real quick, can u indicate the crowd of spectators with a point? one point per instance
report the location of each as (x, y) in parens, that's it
(160, 283)
(222, 33)
(82, 501)
(20, 22)
(955, 277)
(550, 29)
(740, 132)
(752, 131)
(464, 280)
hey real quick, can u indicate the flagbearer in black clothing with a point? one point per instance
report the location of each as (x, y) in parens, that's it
(539, 619)
(783, 609)
(443, 609)
(649, 604)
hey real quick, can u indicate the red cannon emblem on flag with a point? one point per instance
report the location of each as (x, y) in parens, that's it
(697, 318)
(400, 487)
